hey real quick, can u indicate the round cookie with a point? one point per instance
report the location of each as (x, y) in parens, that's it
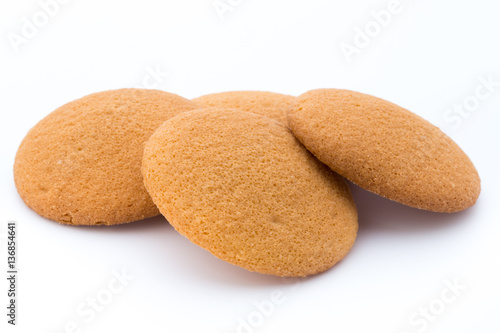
(81, 164)
(241, 186)
(272, 105)
(385, 149)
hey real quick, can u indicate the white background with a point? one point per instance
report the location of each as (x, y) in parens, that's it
(429, 57)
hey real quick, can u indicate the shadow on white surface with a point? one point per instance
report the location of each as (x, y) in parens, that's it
(173, 253)
(381, 215)
(154, 245)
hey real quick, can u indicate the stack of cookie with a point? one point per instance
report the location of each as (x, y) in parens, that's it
(256, 178)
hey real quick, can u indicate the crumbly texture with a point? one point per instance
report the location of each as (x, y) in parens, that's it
(82, 163)
(241, 186)
(385, 149)
(272, 105)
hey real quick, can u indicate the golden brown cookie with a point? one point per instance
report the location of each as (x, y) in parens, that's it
(241, 186)
(265, 103)
(385, 149)
(82, 163)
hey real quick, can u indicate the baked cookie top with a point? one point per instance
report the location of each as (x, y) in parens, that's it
(385, 149)
(265, 103)
(241, 186)
(81, 163)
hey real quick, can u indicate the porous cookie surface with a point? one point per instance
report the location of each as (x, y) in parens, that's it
(385, 149)
(265, 103)
(82, 163)
(241, 186)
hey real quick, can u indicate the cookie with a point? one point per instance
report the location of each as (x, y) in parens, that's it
(82, 163)
(385, 149)
(241, 186)
(265, 103)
